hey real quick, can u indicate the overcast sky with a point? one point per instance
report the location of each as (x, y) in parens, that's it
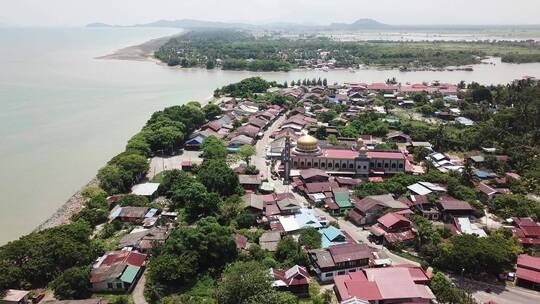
(125, 12)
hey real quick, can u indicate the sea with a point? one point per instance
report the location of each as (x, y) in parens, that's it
(64, 113)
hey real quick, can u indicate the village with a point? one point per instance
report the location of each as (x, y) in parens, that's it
(353, 176)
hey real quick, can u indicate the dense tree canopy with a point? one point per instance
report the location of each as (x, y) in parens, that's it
(216, 175)
(38, 258)
(73, 283)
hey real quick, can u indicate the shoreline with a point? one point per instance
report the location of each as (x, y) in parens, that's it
(72, 206)
(75, 203)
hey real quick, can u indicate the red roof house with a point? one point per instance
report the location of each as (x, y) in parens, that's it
(528, 270)
(381, 285)
(294, 280)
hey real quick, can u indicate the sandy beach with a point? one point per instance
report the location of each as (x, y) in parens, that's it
(141, 52)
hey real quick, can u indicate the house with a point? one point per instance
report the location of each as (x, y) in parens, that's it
(253, 203)
(117, 271)
(294, 280)
(236, 142)
(464, 121)
(398, 137)
(332, 236)
(257, 122)
(527, 231)
(367, 210)
(464, 226)
(269, 240)
(250, 182)
(392, 228)
(347, 182)
(339, 260)
(146, 189)
(451, 207)
(242, 242)
(487, 193)
(14, 296)
(528, 271)
(313, 175)
(144, 239)
(304, 218)
(131, 214)
(288, 205)
(422, 204)
(424, 188)
(384, 285)
(342, 199)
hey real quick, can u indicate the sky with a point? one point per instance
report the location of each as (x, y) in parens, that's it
(126, 12)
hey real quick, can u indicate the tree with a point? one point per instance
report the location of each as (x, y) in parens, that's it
(474, 255)
(213, 243)
(173, 269)
(446, 293)
(467, 173)
(245, 152)
(310, 237)
(273, 297)
(173, 180)
(39, 257)
(213, 148)
(509, 205)
(216, 175)
(289, 253)
(327, 115)
(325, 82)
(73, 283)
(246, 220)
(241, 281)
(210, 64)
(211, 111)
(196, 200)
(113, 179)
(133, 164)
(133, 200)
(91, 192)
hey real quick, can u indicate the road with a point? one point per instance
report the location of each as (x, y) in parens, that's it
(500, 294)
(138, 291)
(259, 160)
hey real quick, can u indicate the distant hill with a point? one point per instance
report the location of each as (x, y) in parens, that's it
(358, 25)
(200, 24)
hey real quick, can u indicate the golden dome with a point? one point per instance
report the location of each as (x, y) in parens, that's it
(307, 143)
(307, 140)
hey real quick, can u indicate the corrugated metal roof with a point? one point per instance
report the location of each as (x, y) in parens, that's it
(130, 273)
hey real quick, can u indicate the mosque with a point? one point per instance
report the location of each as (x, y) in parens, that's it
(357, 161)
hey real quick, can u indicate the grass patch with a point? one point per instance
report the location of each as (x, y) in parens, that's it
(112, 298)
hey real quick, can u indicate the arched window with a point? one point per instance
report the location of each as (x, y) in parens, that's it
(329, 165)
(323, 165)
(386, 165)
(309, 164)
(379, 165)
(393, 166)
(301, 164)
(295, 163)
(372, 165)
(365, 167)
(344, 166)
(351, 166)
(401, 166)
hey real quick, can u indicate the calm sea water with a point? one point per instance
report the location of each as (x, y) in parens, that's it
(63, 114)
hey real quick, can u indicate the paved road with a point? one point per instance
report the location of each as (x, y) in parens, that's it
(259, 160)
(138, 291)
(499, 294)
